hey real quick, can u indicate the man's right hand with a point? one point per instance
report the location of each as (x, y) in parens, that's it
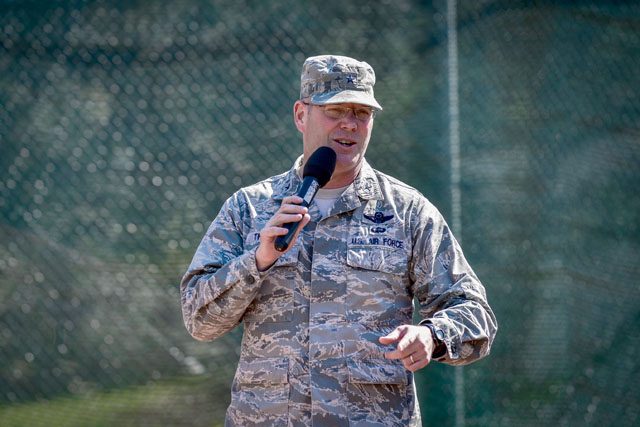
(289, 211)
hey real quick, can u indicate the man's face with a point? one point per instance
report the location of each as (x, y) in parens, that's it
(348, 136)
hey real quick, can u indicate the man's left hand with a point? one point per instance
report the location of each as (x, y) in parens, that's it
(415, 346)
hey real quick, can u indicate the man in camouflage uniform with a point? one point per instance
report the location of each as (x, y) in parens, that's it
(328, 335)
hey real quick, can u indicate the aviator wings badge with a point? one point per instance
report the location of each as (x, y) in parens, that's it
(378, 217)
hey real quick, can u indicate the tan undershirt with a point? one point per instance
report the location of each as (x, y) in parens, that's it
(326, 197)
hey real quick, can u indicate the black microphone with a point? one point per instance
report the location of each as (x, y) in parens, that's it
(315, 175)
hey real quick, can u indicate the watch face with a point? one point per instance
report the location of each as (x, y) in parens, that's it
(438, 335)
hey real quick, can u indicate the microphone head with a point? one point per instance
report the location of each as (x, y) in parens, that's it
(320, 165)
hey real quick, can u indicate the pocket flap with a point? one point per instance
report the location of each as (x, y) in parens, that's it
(272, 370)
(376, 371)
(379, 259)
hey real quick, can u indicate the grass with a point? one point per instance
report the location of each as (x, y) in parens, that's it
(192, 401)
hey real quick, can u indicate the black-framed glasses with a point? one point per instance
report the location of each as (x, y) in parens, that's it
(338, 111)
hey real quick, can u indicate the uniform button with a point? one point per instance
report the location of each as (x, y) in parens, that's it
(250, 280)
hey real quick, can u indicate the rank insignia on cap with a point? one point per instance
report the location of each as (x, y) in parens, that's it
(334, 79)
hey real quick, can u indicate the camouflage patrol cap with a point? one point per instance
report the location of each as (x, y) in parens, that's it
(332, 79)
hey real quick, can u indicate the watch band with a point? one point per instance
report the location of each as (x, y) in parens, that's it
(440, 348)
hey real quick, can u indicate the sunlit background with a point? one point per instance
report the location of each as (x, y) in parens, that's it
(125, 125)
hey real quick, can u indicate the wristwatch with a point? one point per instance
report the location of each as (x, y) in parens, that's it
(440, 348)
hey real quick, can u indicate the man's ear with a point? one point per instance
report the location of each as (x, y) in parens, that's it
(300, 112)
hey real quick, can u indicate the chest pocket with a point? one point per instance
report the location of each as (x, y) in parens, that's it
(378, 247)
(377, 242)
(378, 259)
(274, 302)
(379, 291)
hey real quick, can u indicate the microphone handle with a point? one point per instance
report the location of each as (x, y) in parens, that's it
(307, 191)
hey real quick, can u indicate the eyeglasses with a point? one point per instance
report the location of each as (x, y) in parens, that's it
(337, 111)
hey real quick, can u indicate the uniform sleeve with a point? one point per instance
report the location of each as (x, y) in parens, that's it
(449, 293)
(222, 279)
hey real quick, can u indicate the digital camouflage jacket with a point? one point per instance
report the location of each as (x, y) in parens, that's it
(310, 353)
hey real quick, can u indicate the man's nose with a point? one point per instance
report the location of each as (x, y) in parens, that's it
(350, 122)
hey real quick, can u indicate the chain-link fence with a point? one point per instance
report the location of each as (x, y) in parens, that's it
(124, 125)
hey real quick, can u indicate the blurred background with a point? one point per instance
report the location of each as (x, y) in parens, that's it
(125, 125)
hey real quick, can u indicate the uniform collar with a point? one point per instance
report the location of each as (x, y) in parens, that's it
(365, 186)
